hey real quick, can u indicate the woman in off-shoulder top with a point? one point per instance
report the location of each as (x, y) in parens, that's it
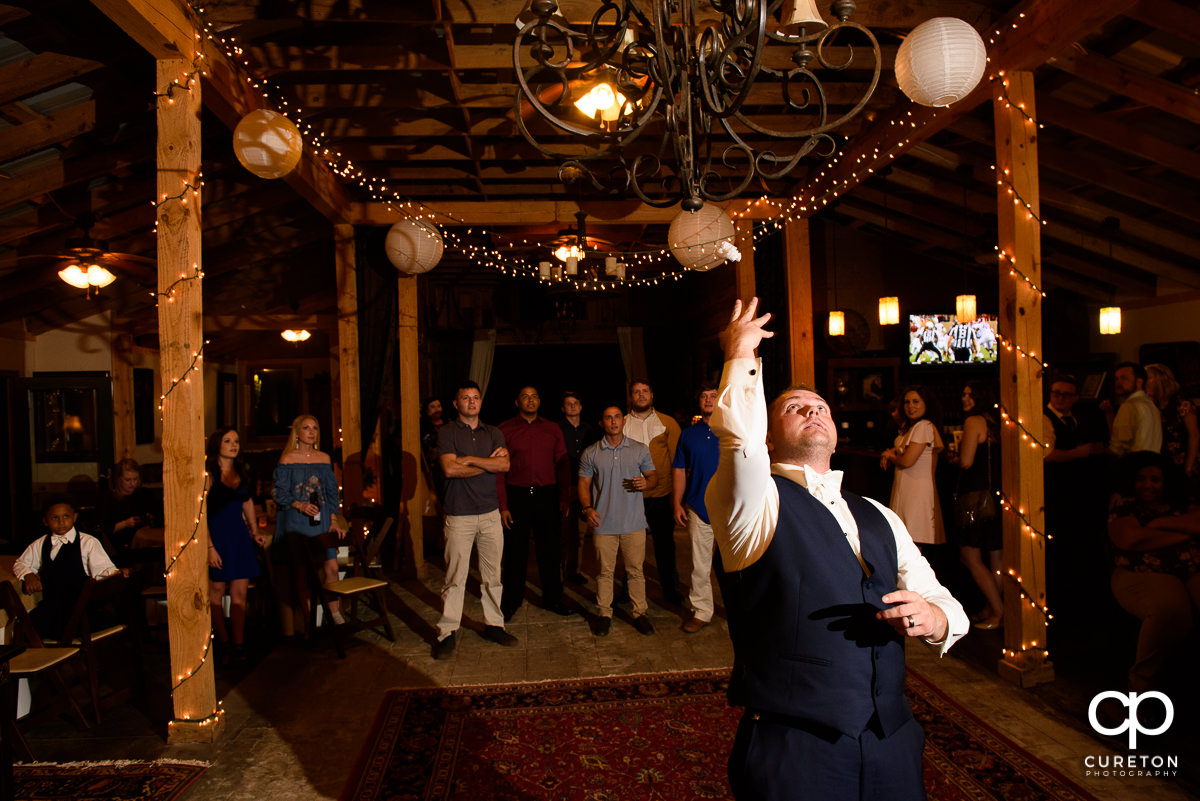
(306, 496)
(914, 494)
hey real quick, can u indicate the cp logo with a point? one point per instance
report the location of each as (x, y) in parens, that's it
(1133, 723)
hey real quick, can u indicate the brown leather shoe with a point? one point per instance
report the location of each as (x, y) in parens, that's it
(694, 624)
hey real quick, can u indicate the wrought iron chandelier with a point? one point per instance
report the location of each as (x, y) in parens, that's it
(700, 83)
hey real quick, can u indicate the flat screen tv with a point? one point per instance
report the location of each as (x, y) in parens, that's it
(941, 339)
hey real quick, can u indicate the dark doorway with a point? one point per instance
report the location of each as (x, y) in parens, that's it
(596, 372)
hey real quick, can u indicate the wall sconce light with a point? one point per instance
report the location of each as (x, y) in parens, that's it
(1110, 320)
(889, 311)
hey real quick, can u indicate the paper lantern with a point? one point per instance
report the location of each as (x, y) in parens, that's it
(964, 308)
(1110, 320)
(837, 323)
(703, 239)
(414, 246)
(267, 143)
(940, 61)
(889, 311)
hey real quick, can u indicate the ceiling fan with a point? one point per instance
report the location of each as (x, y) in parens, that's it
(88, 264)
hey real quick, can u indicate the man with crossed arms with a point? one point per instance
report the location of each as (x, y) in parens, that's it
(822, 587)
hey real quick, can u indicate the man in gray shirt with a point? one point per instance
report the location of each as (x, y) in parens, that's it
(471, 453)
(613, 474)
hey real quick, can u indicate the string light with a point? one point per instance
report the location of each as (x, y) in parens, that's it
(185, 83)
(1014, 271)
(1026, 434)
(1014, 347)
(182, 197)
(169, 292)
(186, 377)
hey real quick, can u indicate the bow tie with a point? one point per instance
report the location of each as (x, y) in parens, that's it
(61, 539)
(823, 485)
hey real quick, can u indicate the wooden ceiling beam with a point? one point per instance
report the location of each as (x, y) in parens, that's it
(1118, 135)
(1030, 33)
(1130, 225)
(1126, 284)
(527, 212)
(1120, 251)
(1100, 173)
(1174, 18)
(32, 75)
(167, 29)
(1146, 89)
(48, 130)
(895, 14)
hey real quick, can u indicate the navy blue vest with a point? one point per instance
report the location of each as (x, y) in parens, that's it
(806, 643)
(62, 578)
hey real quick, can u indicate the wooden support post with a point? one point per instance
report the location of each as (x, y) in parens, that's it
(744, 269)
(124, 438)
(413, 491)
(797, 258)
(1026, 656)
(349, 421)
(197, 718)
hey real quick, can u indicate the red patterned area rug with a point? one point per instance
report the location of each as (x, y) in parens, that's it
(629, 738)
(104, 781)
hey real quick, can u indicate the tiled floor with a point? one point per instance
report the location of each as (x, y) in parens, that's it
(295, 723)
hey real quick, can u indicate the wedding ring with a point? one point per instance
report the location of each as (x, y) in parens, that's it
(911, 622)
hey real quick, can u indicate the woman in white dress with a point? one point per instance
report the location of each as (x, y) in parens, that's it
(914, 492)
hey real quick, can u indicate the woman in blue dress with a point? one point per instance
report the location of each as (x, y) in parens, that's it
(306, 496)
(232, 532)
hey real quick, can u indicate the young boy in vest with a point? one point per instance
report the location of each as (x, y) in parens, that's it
(57, 565)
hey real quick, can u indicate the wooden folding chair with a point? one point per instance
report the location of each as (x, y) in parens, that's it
(35, 660)
(365, 581)
(313, 552)
(109, 596)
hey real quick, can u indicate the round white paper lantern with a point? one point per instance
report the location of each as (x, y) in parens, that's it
(702, 239)
(940, 61)
(414, 246)
(267, 143)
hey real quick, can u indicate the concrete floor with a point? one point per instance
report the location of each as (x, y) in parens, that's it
(296, 719)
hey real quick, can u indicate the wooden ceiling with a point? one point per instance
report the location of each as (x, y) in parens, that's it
(420, 93)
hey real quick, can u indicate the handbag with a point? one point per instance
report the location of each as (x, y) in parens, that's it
(976, 506)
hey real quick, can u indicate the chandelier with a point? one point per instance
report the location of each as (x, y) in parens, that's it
(578, 254)
(725, 91)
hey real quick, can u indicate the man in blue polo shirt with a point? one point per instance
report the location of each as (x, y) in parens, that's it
(613, 474)
(695, 462)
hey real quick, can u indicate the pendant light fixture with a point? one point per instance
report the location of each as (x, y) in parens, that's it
(1110, 316)
(889, 307)
(837, 320)
(964, 305)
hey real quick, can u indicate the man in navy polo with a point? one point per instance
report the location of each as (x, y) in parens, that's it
(822, 588)
(695, 462)
(471, 454)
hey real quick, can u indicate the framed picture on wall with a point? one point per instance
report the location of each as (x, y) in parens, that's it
(143, 406)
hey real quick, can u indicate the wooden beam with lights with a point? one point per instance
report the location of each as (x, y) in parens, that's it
(196, 714)
(1025, 659)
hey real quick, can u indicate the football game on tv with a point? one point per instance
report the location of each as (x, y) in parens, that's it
(942, 339)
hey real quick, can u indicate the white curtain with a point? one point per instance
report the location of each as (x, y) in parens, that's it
(483, 352)
(633, 352)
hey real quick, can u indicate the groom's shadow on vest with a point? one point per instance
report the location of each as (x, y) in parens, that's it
(857, 623)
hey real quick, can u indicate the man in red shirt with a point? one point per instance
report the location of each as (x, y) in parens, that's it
(533, 498)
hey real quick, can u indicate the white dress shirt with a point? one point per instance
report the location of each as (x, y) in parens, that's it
(743, 501)
(1137, 426)
(95, 561)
